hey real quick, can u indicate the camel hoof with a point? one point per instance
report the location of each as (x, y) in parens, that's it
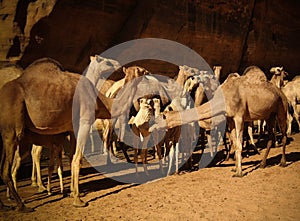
(262, 165)
(283, 164)
(24, 209)
(42, 189)
(79, 203)
(238, 175)
(34, 184)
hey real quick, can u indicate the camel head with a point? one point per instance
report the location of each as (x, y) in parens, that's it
(100, 67)
(184, 73)
(217, 71)
(278, 75)
(134, 72)
(278, 71)
(191, 83)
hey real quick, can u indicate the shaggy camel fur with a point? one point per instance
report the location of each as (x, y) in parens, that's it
(55, 108)
(237, 99)
(292, 92)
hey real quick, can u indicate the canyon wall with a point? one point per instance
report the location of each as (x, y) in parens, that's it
(233, 34)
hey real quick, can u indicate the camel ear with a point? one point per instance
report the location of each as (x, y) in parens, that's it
(92, 58)
(273, 70)
(124, 70)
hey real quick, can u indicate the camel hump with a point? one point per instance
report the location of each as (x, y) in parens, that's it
(46, 62)
(254, 74)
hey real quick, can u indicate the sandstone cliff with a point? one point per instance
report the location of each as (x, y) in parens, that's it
(233, 34)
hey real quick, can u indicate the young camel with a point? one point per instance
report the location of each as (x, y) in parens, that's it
(55, 108)
(140, 127)
(54, 143)
(237, 99)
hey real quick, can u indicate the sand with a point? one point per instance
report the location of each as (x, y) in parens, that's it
(211, 193)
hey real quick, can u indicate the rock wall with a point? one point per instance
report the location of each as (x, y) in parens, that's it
(233, 34)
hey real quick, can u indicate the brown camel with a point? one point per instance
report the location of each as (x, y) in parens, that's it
(292, 92)
(8, 74)
(47, 100)
(237, 99)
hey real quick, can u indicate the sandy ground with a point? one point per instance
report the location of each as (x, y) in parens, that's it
(211, 193)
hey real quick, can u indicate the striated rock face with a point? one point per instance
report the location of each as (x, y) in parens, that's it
(233, 34)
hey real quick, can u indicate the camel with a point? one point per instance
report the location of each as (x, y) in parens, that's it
(8, 74)
(140, 127)
(278, 76)
(54, 143)
(237, 99)
(108, 132)
(292, 92)
(55, 108)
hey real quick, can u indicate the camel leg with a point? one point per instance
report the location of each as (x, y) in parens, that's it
(144, 153)
(238, 144)
(289, 123)
(171, 155)
(271, 140)
(58, 154)
(158, 150)
(135, 145)
(136, 150)
(176, 156)
(50, 169)
(250, 133)
(37, 161)
(15, 167)
(92, 140)
(281, 119)
(8, 153)
(33, 172)
(76, 163)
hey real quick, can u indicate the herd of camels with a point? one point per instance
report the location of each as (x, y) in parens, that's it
(44, 103)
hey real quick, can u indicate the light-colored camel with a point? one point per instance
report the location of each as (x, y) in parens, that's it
(120, 122)
(55, 108)
(278, 76)
(292, 92)
(237, 100)
(140, 127)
